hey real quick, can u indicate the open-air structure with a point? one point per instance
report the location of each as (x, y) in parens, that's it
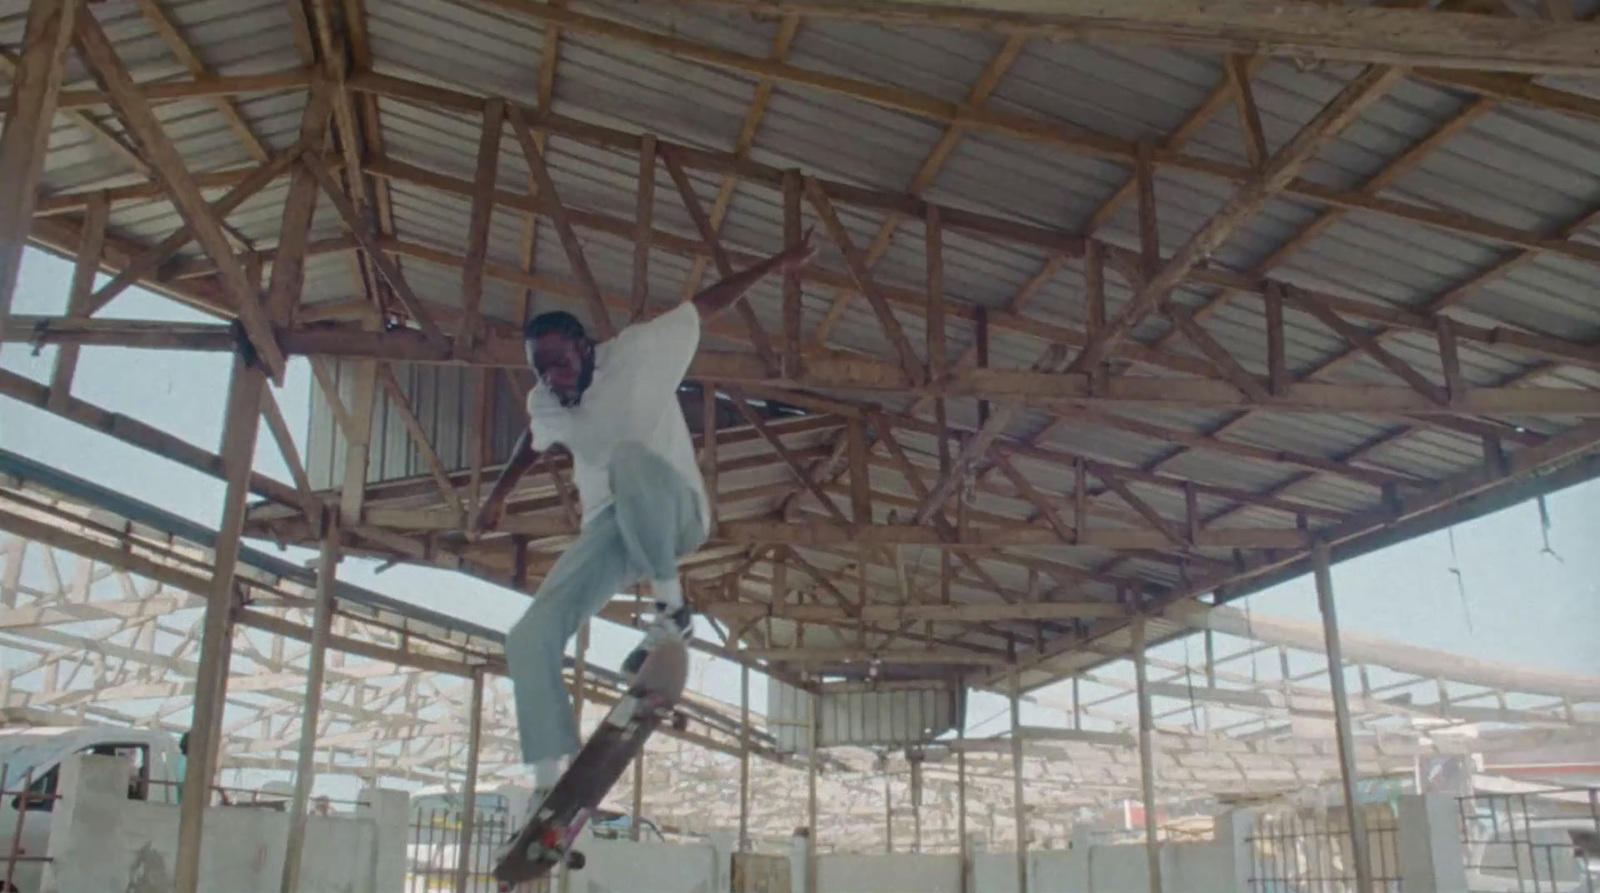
(1121, 313)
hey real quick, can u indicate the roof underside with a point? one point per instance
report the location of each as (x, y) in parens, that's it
(1437, 196)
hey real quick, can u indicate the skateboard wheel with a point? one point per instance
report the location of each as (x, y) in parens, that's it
(576, 860)
(680, 721)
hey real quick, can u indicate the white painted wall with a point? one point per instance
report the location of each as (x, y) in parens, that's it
(898, 873)
(623, 866)
(102, 842)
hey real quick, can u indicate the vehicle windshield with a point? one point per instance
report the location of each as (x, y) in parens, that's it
(21, 753)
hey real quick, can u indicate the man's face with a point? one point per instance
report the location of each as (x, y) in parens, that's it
(559, 362)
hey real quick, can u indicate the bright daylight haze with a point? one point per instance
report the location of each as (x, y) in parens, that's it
(1514, 603)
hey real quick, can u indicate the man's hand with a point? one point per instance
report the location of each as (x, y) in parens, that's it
(718, 297)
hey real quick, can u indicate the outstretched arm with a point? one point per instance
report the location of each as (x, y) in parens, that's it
(523, 455)
(718, 297)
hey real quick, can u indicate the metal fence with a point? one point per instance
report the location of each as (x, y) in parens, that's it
(1546, 842)
(1309, 851)
(434, 852)
(27, 804)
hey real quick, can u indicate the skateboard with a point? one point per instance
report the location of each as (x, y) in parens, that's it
(546, 840)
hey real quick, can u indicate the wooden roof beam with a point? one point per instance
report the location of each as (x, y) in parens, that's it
(1332, 31)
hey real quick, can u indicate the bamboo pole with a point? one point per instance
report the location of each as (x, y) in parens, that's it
(305, 769)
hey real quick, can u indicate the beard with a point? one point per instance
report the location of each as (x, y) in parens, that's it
(585, 377)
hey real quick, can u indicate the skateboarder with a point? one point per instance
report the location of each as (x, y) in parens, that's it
(614, 406)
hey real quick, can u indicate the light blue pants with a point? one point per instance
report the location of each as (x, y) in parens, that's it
(654, 520)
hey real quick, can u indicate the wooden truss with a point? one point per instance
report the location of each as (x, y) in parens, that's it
(914, 467)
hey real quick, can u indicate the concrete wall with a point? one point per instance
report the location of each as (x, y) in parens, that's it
(889, 874)
(102, 842)
(623, 866)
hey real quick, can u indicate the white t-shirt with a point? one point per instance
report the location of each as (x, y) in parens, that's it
(633, 396)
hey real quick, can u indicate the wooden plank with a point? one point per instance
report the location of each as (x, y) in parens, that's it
(1283, 167)
(1370, 33)
(793, 306)
(862, 277)
(1032, 494)
(284, 438)
(299, 211)
(860, 472)
(85, 266)
(708, 235)
(942, 613)
(815, 530)
(1277, 362)
(1144, 174)
(170, 167)
(1348, 770)
(1255, 140)
(358, 442)
(788, 457)
(102, 134)
(438, 342)
(478, 222)
(1369, 345)
(1240, 377)
(419, 436)
(1450, 359)
(550, 200)
(175, 41)
(145, 266)
(934, 250)
(1147, 757)
(241, 422)
(708, 446)
(1156, 519)
(25, 140)
(644, 205)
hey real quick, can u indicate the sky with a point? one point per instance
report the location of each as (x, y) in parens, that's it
(1492, 593)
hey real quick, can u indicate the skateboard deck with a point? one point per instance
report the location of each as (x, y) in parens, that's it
(546, 840)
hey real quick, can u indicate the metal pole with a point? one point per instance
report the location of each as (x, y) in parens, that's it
(241, 422)
(1016, 783)
(744, 759)
(961, 816)
(305, 769)
(469, 785)
(638, 795)
(916, 805)
(1341, 715)
(811, 798)
(888, 811)
(1147, 768)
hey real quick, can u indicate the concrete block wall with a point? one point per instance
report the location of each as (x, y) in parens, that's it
(102, 842)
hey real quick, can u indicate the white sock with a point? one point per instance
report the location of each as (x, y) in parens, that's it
(546, 773)
(668, 592)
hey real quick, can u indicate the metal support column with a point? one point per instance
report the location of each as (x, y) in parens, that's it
(1017, 803)
(811, 797)
(961, 817)
(305, 768)
(1147, 757)
(744, 759)
(1320, 563)
(469, 785)
(241, 422)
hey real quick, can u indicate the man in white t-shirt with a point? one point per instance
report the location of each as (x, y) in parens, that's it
(614, 406)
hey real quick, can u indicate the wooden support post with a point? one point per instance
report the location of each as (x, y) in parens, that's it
(1321, 567)
(241, 421)
(358, 442)
(888, 811)
(83, 272)
(981, 333)
(961, 818)
(643, 213)
(1077, 706)
(744, 757)
(792, 291)
(708, 446)
(1017, 804)
(860, 472)
(469, 785)
(937, 368)
(26, 138)
(580, 674)
(478, 225)
(1450, 360)
(811, 796)
(1277, 364)
(1147, 767)
(916, 805)
(305, 767)
(638, 795)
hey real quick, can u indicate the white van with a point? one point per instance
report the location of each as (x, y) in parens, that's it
(34, 756)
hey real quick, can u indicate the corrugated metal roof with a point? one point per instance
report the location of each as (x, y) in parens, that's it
(1514, 165)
